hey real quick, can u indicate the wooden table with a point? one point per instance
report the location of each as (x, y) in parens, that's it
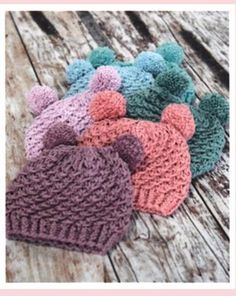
(190, 246)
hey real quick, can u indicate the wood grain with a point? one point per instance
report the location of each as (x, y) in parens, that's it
(190, 246)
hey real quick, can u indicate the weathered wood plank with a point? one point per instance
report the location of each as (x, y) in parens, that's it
(19, 78)
(28, 262)
(201, 28)
(188, 246)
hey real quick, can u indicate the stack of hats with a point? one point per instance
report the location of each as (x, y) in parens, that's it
(126, 135)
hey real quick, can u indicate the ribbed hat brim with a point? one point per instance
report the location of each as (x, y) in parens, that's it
(96, 238)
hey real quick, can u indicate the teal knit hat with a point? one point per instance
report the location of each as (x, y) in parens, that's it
(171, 86)
(206, 146)
(210, 116)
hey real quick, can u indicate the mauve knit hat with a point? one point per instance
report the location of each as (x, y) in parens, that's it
(44, 103)
(73, 197)
(162, 181)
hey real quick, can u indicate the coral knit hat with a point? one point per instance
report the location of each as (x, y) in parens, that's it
(162, 181)
(44, 103)
(74, 198)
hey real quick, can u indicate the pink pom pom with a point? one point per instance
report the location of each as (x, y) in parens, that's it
(180, 117)
(107, 104)
(40, 97)
(105, 78)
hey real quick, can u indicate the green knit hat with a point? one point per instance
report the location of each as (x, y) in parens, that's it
(210, 116)
(170, 86)
(206, 146)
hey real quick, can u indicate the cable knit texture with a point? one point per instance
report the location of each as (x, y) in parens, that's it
(162, 181)
(74, 198)
(73, 110)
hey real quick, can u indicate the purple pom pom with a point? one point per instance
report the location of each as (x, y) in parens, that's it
(59, 134)
(130, 149)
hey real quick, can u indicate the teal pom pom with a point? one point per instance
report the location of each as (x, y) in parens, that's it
(78, 70)
(171, 52)
(217, 106)
(173, 81)
(150, 62)
(102, 56)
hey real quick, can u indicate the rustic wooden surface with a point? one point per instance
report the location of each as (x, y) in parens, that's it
(190, 246)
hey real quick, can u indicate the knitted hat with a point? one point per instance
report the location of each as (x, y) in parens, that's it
(162, 181)
(73, 111)
(136, 76)
(170, 86)
(206, 146)
(132, 78)
(74, 198)
(212, 113)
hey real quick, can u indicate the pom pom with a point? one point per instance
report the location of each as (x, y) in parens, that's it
(130, 149)
(217, 106)
(150, 62)
(171, 52)
(175, 81)
(107, 104)
(180, 117)
(102, 56)
(40, 97)
(59, 134)
(77, 70)
(105, 78)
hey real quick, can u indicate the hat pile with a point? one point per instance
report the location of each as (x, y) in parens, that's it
(126, 135)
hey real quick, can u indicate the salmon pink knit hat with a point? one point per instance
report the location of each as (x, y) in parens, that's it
(44, 103)
(74, 198)
(162, 181)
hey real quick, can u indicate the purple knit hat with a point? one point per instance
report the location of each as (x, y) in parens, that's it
(74, 198)
(43, 102)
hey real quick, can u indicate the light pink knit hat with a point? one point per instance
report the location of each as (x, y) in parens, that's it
(73, 111)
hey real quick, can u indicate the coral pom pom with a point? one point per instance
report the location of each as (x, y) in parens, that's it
(107, 104)
(179, 116)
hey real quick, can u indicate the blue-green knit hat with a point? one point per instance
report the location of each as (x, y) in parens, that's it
(210, 116)
(206, 146)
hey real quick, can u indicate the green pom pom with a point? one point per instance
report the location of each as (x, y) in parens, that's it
(102, 56)
(171, 52)
(175, 81)
(217, 106)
